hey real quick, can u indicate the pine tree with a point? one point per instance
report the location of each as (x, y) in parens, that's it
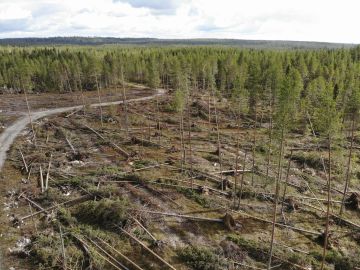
(327, 122)
(288, 98)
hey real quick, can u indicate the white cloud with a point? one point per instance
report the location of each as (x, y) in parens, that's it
(320, 20)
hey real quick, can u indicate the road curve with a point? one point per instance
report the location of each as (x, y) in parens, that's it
(10, 133)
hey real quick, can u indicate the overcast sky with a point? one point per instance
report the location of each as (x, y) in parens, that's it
(311, 20)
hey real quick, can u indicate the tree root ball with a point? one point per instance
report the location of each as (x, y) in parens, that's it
(353, 201)
(229, 222)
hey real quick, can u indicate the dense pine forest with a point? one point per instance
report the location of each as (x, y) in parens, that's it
(259, 147)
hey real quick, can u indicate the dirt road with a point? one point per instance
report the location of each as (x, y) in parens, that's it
(8, 136)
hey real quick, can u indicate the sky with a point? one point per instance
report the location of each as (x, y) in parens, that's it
(305, 20)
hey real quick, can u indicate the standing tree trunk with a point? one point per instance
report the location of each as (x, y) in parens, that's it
(158, 120)
(125, 104)
(236, 174)
(29, 112)
(242, 180)
(218, 144)
(82, 94)
(189, 139)
(99, 98)
(327, 225)
(286, 182)
(348, 170)
(183, 150)
(270, 140)
(254, 148)
(277, 188)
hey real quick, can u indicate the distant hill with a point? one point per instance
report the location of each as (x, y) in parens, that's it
(259, 44)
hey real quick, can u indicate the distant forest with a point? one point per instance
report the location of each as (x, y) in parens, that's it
(258, 44)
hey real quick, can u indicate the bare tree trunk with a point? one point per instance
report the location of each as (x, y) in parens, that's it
(189, 139)
(82, 95)
(236, 174)
(29, 112)
(62, 248)
(242, 180)
(254, 148)
(219, 148)
(219, 145)
(277, 188)
(183, 150)
(42, 181)
(99, 98)
(158, 120)
(125, 103)
(209, 115)
(48, 174)
(327, 225)
(270, 140)
(286, 182)
(348, 170)
(149, 129)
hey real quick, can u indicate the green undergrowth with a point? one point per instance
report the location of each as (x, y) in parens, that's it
(339, 261)
(202, 258)
(104, 213)
(195, 196)
(311, 160)
(259, 252)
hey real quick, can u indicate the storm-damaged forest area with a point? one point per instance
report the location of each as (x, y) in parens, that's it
(180, 157)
